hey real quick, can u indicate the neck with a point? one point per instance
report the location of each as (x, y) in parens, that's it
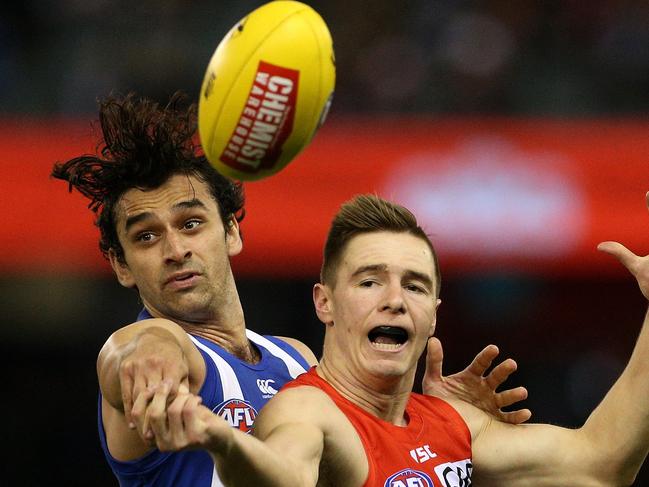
(385, 398)
(223, 324)
(231, 339)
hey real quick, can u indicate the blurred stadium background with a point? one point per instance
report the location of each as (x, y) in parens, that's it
(517, 131)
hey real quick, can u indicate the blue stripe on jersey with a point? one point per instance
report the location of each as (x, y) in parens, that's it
(257, 382)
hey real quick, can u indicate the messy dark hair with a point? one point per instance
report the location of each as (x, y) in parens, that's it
(368, 213)
(142, 145)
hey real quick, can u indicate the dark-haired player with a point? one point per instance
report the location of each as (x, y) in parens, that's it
(169, 224)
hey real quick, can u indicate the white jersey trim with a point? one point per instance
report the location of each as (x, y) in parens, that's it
(229, 382)
(293, 366)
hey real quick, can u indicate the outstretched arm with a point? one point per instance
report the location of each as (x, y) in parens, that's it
(472, 386)
(289, 455)
(608, 450)
(622, 419)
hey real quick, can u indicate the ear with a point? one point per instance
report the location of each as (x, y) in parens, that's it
(323, 303)
(433, 324)
(233, 237)
(121, 270)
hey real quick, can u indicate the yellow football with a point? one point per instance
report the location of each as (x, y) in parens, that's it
(267, 90)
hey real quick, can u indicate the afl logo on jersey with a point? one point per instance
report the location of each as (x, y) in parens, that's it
(239, 413)
(409, 478)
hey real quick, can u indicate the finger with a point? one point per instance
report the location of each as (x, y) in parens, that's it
(155, 411)
(190, 416)
(619, 251)
(127, 385)
(176, 408)
(511, 396)
(175, 428)
(516, 417)
(178, 382)
(138, 412)
(175, 376)
(434, 359)
(143, 385)
(483, 360)
(500, 373)
(183, 387)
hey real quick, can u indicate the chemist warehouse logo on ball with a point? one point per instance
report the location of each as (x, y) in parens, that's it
(266, 121)
(239, 413)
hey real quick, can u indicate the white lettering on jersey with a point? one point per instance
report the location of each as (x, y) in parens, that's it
(422, 454)
(240, 414)
(265, 387)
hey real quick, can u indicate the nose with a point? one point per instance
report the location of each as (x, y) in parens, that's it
(393, 301)
(175, 248)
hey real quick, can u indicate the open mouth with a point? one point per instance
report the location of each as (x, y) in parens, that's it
(388, 337)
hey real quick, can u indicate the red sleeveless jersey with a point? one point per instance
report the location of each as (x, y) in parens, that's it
(433, 450)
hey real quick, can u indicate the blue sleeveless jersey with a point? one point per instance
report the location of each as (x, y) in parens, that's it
(233, 389)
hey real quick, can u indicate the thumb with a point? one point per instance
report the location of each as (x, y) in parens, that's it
(619, 251)
(434, 359)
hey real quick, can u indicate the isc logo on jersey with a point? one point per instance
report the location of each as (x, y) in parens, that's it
(409, 478)
(455, 474)
(239, 413)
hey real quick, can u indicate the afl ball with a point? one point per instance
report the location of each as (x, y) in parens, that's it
(266, 91)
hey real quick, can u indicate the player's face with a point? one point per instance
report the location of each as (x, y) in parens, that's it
(383, 307)
(176, 249)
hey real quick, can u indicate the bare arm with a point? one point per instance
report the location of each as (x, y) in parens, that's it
(621, 421)
(289, 454)
(534, 455)
(133, 361)
(608, 450)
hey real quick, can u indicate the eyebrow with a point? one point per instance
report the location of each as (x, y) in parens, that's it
(182, 205)
(383, 268)
(370, 268)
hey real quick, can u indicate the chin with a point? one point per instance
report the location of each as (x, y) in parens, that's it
(390, 369)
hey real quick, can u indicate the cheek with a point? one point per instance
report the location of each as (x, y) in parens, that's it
(144, 272)
(424, 314)
(354, 317)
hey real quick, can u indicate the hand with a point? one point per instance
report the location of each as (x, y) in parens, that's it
(155, 357)
(184, 423)
(471, 386)
(636, 265)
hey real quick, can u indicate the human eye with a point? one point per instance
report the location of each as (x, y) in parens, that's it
(145, 237)
(416, 288)
(191, 224)
(367, 283)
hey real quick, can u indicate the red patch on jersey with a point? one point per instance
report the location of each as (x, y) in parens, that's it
(238, 413)
(409, 478)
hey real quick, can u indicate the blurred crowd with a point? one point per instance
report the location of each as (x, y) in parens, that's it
(530, 57)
